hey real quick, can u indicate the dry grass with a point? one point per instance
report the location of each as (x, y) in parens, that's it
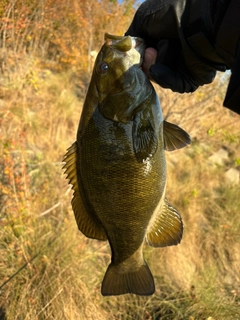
(61, 269)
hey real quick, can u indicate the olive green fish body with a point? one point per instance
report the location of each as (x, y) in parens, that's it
(122, 191)
(117, 166)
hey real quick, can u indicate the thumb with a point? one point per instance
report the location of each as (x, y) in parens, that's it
(150, 56)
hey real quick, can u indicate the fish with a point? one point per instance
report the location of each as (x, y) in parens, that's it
(117, 166)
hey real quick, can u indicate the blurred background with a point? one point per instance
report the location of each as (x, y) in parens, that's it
(48, 269)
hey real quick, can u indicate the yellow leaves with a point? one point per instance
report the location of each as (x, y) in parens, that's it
(75, 28)
(211, 132)
(5, 190)
(194, 193)
(29, 38)
(32, 80)
(7, 171)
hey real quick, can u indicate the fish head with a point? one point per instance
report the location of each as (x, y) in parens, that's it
(121, 85)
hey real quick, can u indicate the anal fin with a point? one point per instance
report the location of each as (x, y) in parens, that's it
(87, 222)
(166, 229)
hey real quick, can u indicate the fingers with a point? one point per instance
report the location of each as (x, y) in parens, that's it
(149, 59)
(175, 80)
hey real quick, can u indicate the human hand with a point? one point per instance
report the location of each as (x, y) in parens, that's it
(164, 60)
(176, 80)
(149, 59)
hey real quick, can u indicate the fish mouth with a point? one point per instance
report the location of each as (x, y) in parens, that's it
(125, 44)
(131, 83)
(139, 45)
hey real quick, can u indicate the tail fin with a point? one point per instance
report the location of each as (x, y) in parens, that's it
(118, 281)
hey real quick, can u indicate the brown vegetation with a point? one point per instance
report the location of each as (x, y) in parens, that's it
(48, 269)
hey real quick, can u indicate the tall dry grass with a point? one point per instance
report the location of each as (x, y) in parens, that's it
(49, 270)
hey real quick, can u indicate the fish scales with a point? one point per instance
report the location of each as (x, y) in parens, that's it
(117, 166)
(122, 205)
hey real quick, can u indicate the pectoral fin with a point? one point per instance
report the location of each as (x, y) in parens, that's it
(145, 140)
(174, 137)
(87, 223)
(167, 229)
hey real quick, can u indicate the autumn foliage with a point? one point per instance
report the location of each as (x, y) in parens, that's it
(61, 32)
(37, 37)
(48, 269)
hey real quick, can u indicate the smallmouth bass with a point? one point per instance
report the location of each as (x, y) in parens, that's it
(117, 166)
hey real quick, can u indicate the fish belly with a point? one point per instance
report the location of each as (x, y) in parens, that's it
(122, 192)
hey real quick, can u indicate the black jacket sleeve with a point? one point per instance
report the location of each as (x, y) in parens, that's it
(192, 41)
(177, 66)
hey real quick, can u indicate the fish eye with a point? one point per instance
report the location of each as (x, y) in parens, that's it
(103, 67)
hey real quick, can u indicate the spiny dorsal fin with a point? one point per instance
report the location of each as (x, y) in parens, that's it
(167, 229)
(174, 137)
(70, 165)
(87, 223)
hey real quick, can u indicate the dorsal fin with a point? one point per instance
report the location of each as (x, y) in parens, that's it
(167, 228)
(174, 137)
(86, 220)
